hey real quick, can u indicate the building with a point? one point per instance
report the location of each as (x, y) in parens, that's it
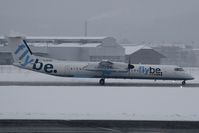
(179, 55)
(86, 49)
(139, 54)
(71, 49)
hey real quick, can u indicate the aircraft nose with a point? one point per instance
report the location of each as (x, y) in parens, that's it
(190, 77)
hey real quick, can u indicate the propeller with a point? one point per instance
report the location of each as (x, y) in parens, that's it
(130, 66)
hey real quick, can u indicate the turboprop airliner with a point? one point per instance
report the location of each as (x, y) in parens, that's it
(24, 58)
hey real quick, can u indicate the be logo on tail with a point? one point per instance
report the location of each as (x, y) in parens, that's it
(48, 68)
(24, 54)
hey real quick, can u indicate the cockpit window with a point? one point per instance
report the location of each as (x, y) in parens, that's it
(179, 69)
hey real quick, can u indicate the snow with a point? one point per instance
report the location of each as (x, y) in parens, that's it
(53, 39)
(63, 38)
(64, 45)
(99, 103)
(129, 49)
(95, 102)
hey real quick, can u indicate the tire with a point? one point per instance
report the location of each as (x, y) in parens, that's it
(102, 81)
(183, 82)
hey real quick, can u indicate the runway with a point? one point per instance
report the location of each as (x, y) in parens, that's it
(114, 84)
(97, 126)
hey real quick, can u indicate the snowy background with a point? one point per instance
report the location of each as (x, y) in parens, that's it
(94, 101)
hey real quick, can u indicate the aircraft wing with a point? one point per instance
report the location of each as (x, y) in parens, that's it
(105, 66)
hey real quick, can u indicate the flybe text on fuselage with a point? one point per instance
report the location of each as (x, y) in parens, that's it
(150, 71)
(24, 55)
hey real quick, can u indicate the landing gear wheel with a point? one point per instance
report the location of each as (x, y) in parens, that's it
(102, 81)
(183, 82)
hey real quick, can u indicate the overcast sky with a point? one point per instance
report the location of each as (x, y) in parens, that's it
(136, 20)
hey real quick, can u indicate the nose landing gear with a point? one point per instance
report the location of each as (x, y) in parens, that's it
(184, 82)
(102, 81)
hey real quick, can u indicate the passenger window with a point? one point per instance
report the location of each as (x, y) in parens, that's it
(179, 69)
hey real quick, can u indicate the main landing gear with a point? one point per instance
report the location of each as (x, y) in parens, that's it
(184, 82)
(102, 81)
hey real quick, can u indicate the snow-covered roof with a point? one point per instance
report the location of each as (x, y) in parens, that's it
(196, 49)
(64, 38)
(129, 49)
(64, 45)
(56, 39)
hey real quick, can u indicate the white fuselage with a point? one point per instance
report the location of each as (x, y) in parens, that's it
(91, 70)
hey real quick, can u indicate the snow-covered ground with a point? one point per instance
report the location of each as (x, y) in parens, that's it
(94, 102)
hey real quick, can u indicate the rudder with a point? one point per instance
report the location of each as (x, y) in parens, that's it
(21, 53)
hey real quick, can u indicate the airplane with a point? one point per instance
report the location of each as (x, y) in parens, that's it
(24, 58)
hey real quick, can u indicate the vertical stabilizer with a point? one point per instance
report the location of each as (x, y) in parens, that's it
(21, 53)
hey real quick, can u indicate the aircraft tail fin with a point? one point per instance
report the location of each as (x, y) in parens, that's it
(21, 53)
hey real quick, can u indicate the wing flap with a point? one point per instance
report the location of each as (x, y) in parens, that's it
(102, 70)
